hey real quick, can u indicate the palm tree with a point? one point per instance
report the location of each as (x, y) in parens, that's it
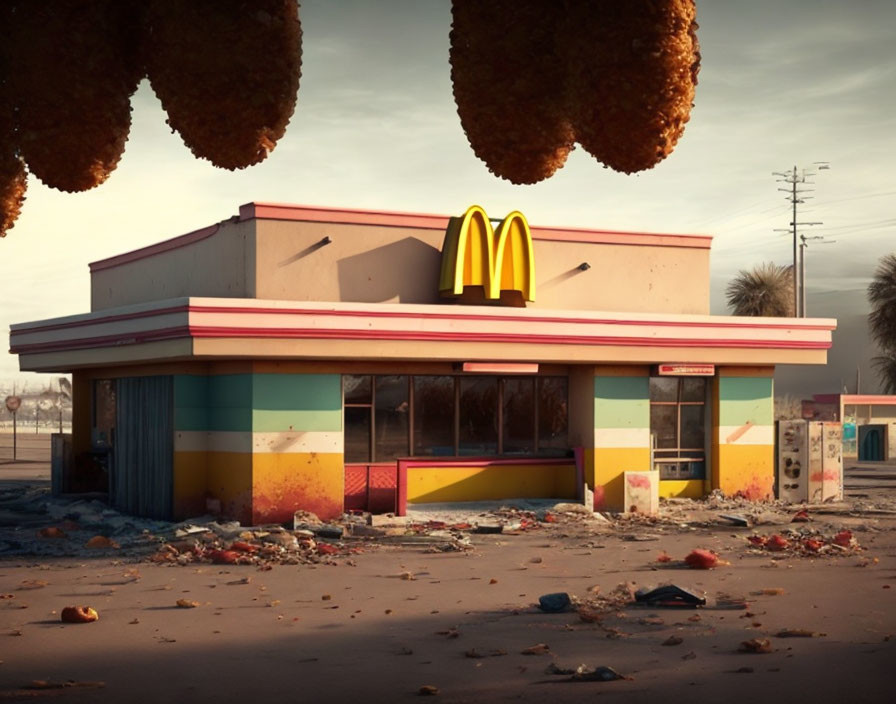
(886, 369)
(882, 319)
(766, 290)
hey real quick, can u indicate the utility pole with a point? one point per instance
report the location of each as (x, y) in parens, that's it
(793, 179)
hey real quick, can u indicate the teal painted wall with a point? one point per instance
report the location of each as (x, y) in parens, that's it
(621, 402)
(190, 402)
(258, 402)
(282, 402)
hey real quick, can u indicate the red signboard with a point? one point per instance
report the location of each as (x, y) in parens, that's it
(686, 369)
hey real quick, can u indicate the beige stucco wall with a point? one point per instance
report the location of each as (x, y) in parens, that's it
(220, 265)
(384, 264)
(622, 278)
(363, 263)
(285, 260)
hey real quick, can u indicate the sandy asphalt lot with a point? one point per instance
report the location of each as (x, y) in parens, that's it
(362, 629)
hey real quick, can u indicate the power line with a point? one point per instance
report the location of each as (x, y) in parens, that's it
(796, 197)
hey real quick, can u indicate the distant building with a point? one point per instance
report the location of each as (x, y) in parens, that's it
(321, 359)
(869, 422)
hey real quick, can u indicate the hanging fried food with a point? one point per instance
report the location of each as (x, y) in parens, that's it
(13, 181)
(13, 178)
(227, 73)
(72, 72)
(632, 72)
(508, 86)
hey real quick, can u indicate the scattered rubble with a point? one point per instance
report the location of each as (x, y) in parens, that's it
(79, 614)
(554, 603)
(669, 595)
(805, 541)
(756, 645)
(701, 559)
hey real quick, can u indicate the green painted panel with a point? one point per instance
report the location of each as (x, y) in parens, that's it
(190, 418)
(621, 402)
(743, 399)
(264, 421)
(259, 402)
(307, 392)
(230, 391)
(190, 390)
(229, 419)
(190, 402)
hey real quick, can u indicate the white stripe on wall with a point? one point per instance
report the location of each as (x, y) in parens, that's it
(754, 435)
(258, 443)
(622, 437)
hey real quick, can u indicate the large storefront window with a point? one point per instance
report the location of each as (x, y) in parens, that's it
(433, 415)
(677, 425)
(387, 417)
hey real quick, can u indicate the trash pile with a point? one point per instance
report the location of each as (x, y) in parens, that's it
(805, 541)
(265, 546)
(32, 522)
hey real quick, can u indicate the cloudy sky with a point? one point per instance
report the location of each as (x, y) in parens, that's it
(783, 83)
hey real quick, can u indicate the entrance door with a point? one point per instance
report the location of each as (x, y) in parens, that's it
(872, 441)
(142, 477)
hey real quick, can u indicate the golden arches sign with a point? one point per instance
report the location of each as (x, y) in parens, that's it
(475, 254)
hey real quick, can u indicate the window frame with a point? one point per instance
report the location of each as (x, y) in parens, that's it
(671, 459)
(412, 411)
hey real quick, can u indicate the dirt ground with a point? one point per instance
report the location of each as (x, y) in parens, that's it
(380, 620)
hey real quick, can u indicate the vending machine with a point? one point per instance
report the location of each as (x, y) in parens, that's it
(793, 460)
(825, 461)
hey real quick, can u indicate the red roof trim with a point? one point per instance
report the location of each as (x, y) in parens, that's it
(415, 315)
(393, 218)
(410, 335)
(151, 250)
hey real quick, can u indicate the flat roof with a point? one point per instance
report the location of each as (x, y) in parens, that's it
(397, 219)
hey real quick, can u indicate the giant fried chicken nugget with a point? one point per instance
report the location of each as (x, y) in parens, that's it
(632, 73)
(227, 73)
(508, 86)
(13, 178)
(71, 73)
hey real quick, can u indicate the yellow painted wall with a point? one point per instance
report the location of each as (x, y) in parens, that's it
(190, 484)
(610, 463)
(230, 480)
(684, 488)
(283, 482)
(748, 470)
(443, 484)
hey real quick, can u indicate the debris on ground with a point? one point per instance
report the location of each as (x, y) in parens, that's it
(756, 645)
(770, 591)
(797, 633)
(806, 542)
(669, 595)
(583, 673)
(701, 559)
(554, 603)
(537, 649)
(79, 614)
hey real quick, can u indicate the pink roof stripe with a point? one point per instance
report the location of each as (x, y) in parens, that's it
(388, 218)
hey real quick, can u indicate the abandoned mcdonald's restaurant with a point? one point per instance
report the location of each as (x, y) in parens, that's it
(322, 359)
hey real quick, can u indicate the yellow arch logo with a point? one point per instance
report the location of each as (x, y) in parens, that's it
(475, 254)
